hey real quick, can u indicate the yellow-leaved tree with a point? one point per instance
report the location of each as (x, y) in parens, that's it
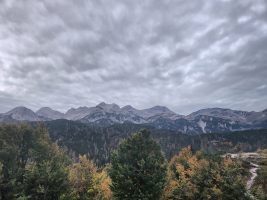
(87, 182)
(199, 176)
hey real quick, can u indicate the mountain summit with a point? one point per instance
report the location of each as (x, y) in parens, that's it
(49, 113)
(202, 121)
(21, 114)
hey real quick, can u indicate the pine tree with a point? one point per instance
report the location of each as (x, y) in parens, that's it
(138, 168)
(31, 165)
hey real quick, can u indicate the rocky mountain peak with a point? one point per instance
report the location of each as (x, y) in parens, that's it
(22, 113)
(161, 109)
(202, 121)
(128, 108)
(77, 113)
(49, 113)
(234, 115)
(108, 107)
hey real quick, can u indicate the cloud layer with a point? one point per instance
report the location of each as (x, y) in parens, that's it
(182, 54)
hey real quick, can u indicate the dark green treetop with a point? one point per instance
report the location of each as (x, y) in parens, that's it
(138, 168)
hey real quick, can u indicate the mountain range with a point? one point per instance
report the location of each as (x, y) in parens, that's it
(202, 121)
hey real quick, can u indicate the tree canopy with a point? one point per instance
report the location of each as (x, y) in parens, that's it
(33, 167)
(138, 168)
(200, 177)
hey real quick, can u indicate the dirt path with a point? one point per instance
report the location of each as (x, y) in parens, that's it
(253, 172)
(253, 169)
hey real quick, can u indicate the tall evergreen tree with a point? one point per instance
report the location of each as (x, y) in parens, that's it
(138, 168)
(31, 165)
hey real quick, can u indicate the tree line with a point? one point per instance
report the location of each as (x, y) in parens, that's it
(33, 167)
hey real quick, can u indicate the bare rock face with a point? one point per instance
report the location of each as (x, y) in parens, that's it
(77, 113)
(49, 113)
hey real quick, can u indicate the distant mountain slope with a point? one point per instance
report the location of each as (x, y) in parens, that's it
(19, 114)
(48, 113)
(228, 114)
(77, 113)
(152, 112)
(202, 121)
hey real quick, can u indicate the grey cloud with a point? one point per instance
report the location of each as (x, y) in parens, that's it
(182, 54)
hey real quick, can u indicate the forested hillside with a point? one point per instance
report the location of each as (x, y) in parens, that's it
(98, 142)
(33, 167)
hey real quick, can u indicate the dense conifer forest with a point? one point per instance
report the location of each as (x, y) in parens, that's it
(99, 142)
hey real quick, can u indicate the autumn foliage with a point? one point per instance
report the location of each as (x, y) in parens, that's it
(32, 167)
(199, 176)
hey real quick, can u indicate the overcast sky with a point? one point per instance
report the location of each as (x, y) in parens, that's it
(185, 55)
